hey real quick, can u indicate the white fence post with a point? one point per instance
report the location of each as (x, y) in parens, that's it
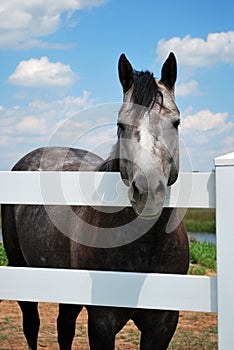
(225, 248)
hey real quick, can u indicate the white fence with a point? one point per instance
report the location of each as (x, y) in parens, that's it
(163, 291)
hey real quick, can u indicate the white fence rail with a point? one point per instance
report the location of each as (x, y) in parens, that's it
(191, 293)
(193, 190)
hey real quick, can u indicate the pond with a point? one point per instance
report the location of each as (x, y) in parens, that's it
(201, 237)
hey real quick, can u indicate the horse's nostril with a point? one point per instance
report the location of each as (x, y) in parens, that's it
(135, 191)
(160, 188)
(138, 194)
(140, 183)
(134, 186)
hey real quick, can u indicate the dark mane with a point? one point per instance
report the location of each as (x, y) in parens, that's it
(109, 164)
(145, 89)
(112, 162)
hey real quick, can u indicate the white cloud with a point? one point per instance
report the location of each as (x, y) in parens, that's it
(4, 140)
(23, 128)
(31, 125)
(40, 117)
(205, 120)
(23, 22)
(229, 142)
(43, 73)
(71, 122)
(65, 107)
(206, 135)
(197, 52)
(188, 88)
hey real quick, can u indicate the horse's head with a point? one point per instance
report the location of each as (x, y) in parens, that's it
(148, 135)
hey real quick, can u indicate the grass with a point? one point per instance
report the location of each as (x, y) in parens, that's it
(204, 254)
(3, 257)
(202, 258)
(188, 339)
(200, 220)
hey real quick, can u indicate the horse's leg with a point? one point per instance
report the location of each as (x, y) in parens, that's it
(103, 324)
(157, 328)
(31, 322)
(66, 324)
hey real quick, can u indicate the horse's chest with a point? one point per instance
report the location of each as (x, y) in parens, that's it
(140, 256)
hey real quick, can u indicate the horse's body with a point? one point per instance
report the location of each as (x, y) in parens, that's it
(32, 239)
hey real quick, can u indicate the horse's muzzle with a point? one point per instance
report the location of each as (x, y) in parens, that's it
(147, 195)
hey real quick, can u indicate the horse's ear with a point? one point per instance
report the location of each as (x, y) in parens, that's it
(169, 72)
(125, 73)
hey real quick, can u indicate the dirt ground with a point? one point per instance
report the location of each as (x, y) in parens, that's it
(196, 331)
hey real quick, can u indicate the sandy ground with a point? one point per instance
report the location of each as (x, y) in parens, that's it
(192, 328)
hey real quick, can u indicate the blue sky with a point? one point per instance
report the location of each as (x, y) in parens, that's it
(59, 58)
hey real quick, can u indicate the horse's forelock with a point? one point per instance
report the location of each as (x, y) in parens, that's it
(145, 89)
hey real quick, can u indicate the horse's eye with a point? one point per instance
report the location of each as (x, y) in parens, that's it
(121, 126)
(176, 123)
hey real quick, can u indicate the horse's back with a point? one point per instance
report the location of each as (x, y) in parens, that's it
(29, 235)
(58, 159)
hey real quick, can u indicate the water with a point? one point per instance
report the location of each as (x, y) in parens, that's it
(201, 237)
